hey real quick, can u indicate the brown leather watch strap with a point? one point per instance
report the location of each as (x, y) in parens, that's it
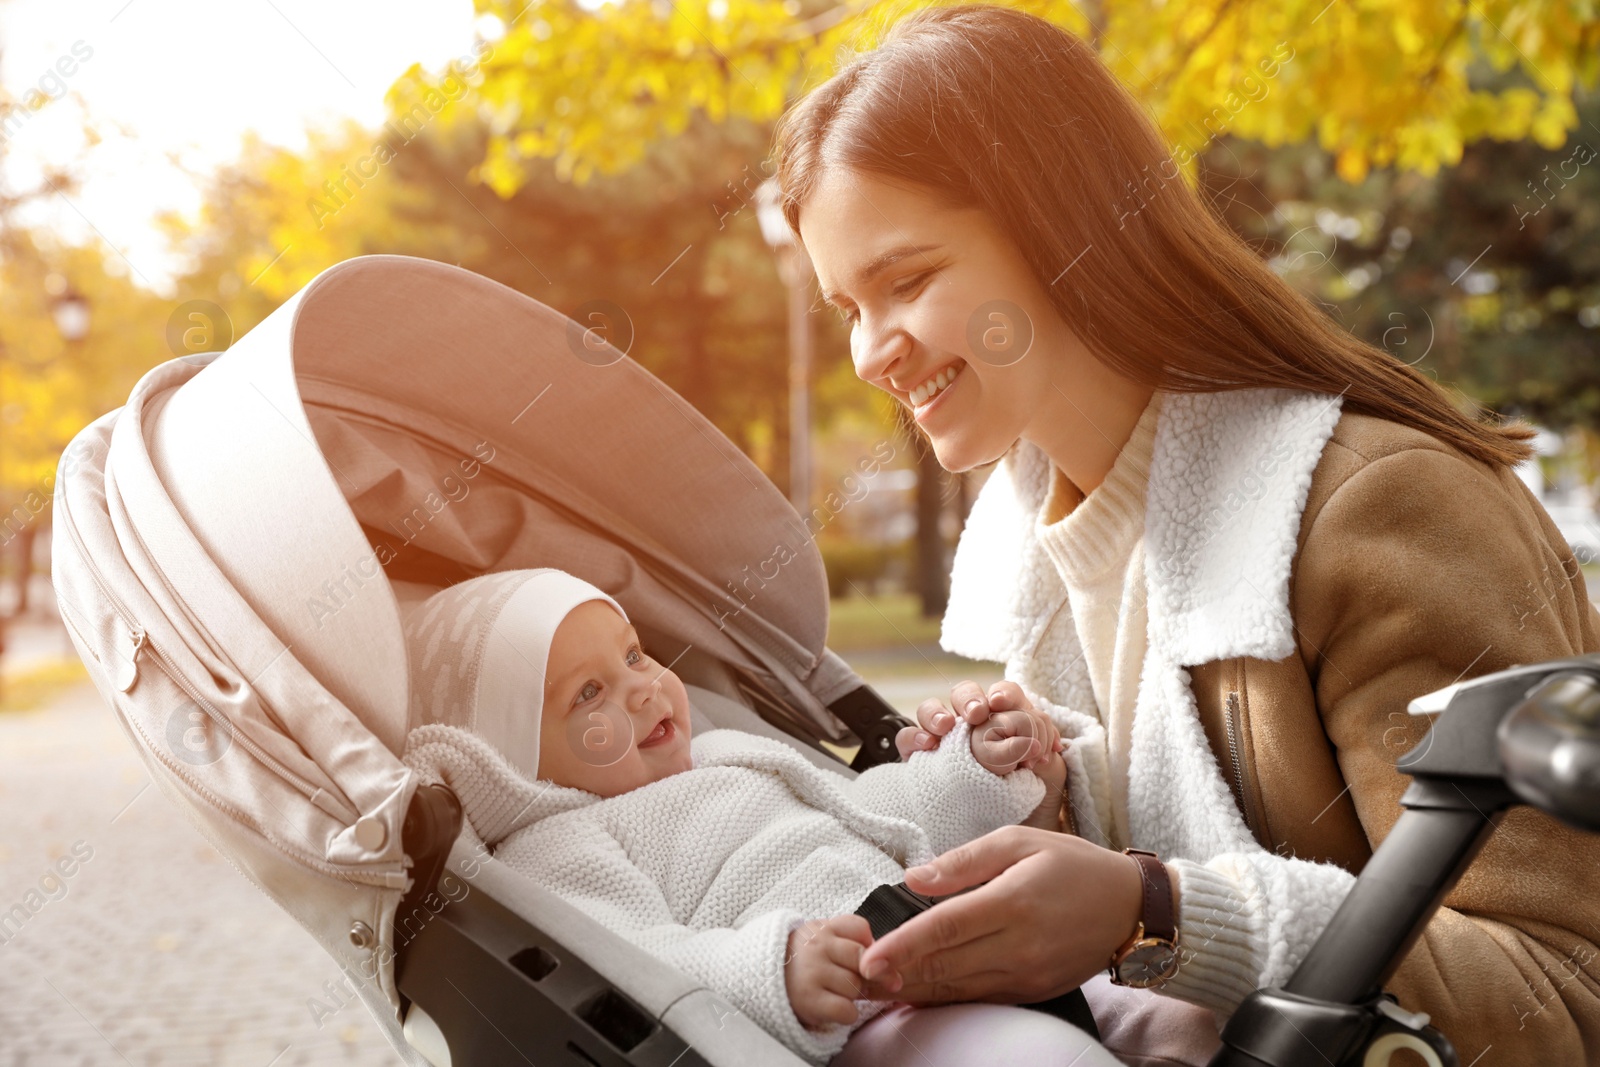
(1159, 921)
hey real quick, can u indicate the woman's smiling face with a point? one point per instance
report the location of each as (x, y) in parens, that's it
(945, 315)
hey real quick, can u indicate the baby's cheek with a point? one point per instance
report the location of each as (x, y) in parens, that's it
(678, 696)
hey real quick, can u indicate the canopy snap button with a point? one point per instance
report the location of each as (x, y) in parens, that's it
(361, 935)
(370, 833)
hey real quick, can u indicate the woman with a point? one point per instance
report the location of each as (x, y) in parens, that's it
(1225, 546)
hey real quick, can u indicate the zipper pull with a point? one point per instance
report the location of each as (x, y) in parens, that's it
(128, 658)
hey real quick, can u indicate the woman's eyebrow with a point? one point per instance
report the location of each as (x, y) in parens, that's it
(879, 263)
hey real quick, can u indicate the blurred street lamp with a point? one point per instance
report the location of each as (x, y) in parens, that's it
(794, 267)
(71, 312)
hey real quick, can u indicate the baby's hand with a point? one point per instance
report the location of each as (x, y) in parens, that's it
(1012, 739)
(823, 971)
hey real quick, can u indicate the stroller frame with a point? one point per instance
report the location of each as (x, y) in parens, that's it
(196, 525)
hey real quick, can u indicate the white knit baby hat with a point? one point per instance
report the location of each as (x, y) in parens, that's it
(478, 649)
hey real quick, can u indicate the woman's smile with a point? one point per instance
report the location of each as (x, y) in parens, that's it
(929, 396)
(930, 385)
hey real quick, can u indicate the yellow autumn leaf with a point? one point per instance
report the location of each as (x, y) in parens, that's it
(1382, 81)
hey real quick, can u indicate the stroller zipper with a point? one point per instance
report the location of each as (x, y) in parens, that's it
(143, 642)
(128, 669)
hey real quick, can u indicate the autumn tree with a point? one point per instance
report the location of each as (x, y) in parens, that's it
(50, 385)
(667, 241)
(1374, 85)
(1486, 276)
(1395, 85)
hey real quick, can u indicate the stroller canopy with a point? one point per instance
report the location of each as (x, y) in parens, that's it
(225, 545)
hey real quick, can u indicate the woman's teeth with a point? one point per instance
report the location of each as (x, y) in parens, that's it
(934, 386)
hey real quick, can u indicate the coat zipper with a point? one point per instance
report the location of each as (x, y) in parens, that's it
(1231, 724)
(142, 642)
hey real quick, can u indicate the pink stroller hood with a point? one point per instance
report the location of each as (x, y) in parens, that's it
(224, 546)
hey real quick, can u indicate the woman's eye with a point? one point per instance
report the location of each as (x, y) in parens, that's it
(913, 283)
(848, 316)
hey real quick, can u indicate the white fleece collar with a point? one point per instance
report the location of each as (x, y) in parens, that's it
(1229, 475)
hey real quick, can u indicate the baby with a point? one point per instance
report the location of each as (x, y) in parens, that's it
(733, 857)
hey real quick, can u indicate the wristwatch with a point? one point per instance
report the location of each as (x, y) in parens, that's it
(1150, 957)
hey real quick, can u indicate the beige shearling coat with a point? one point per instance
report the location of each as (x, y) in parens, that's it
(1309, 571)
(1418, 566)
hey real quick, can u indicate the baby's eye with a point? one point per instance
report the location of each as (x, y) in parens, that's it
(635, 656)
(587, 693)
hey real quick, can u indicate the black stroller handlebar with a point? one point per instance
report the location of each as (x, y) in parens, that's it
(1476, 761)
(1550, 746)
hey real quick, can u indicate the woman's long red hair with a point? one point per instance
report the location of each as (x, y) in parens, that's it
(990, 107)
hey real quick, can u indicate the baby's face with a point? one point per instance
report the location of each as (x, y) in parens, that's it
(614, 719)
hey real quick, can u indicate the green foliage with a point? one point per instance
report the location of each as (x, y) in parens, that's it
(891, 621)
(1487, 276)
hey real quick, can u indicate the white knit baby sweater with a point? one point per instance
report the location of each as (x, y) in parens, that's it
(710, 869)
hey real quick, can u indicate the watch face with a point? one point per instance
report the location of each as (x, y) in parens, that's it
(1150, 962)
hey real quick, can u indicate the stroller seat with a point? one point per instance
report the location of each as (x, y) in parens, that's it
(687, 1008)
(235, 545)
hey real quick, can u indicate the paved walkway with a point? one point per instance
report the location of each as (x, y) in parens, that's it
(154, 950)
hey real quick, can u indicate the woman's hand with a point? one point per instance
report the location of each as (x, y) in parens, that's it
(935, 720)
(1054, 909)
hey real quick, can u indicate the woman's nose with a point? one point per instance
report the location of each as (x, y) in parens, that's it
(877, 347)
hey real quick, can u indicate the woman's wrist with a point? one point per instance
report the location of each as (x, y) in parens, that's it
(1221, 936)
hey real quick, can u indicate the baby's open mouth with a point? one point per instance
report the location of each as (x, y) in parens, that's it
(663, 733)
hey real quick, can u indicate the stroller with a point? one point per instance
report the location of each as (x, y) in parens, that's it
(234, 550)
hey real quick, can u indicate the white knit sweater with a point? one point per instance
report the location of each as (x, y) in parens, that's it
(1228, 479)
(1097, 545)
(710, 869)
